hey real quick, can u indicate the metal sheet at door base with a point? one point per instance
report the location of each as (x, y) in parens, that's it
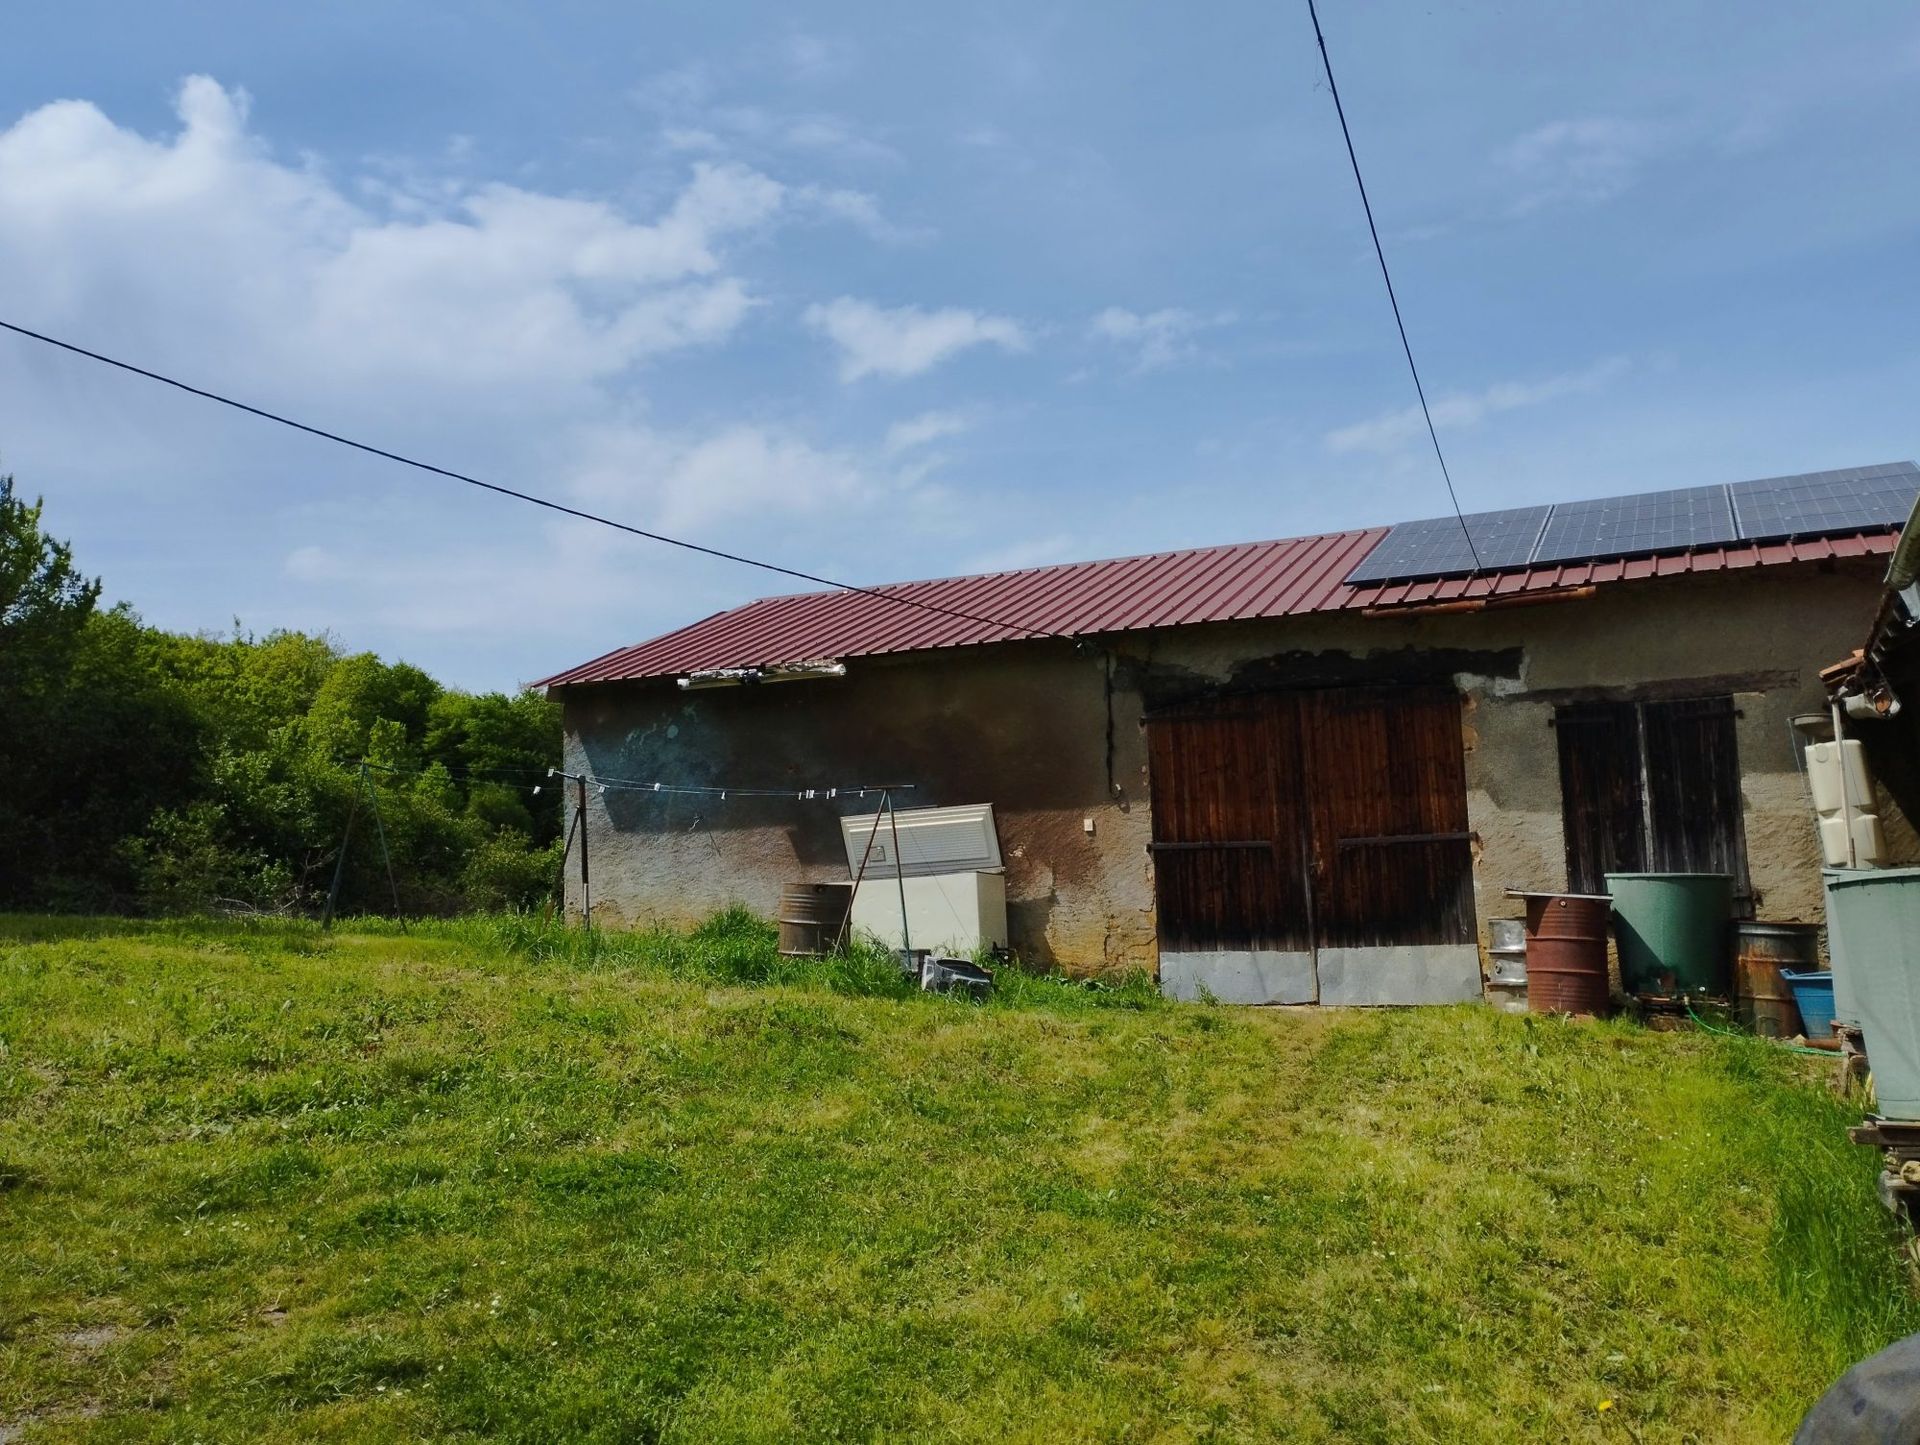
(1240, 975)
(1405, 974)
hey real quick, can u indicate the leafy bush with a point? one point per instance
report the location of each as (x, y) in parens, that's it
(503, 873)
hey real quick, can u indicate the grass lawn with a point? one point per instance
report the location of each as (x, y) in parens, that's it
(258, 1183)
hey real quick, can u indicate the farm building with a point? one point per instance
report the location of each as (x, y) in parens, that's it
(1278, 771)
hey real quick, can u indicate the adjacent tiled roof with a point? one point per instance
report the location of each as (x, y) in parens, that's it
(1128, 594)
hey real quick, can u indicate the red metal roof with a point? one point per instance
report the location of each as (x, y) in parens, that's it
(1128, 594)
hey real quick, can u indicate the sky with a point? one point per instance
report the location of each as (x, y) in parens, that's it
(883, 291)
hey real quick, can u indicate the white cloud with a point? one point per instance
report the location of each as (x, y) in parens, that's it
(857, 209)
(1155, 338)
(691, 138)
(929, 426)
(690, 484)
(466, 588)
(1576, 162)
(495, 328)
(817, 58)
(687, 102)
(1031, 552)
(1390, 431)
(831, 135)
(905, 340)
(204, 240)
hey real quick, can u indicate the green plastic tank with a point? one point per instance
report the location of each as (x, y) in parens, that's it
(1877, 914)
(1672, 931)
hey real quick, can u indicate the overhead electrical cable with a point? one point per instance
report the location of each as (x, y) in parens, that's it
(1385, 275)
(536, 500)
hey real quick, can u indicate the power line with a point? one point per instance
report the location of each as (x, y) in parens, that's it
(537, 501)
(1380, 252)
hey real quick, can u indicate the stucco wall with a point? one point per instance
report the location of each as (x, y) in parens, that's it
(1027, 727)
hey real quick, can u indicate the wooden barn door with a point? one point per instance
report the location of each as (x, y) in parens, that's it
(1393, 859)
(1314, 846)
(1229, 852)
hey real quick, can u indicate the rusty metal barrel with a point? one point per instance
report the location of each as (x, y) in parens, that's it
(1567, 952)
(812, 917)
(1761, 953)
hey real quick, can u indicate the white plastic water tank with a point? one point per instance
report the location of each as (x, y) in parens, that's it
(1843, 805)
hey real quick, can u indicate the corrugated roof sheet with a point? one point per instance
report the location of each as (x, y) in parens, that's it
(1129, 594)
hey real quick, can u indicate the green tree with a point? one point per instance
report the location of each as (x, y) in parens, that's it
(44, 602)
(176, 773)
(44, 607)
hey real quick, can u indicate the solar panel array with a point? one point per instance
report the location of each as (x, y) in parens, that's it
(1438, 546)
(1654, 522)
(1813, 504)
(1819, 502)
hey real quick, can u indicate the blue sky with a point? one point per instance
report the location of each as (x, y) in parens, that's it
(888, 291)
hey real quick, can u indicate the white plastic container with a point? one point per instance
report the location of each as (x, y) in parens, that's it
(1843, 805)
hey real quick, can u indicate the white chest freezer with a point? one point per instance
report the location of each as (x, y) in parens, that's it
(949, 867)
(950, 913)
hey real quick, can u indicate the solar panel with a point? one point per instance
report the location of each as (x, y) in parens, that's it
(1437, 547)
(1808, 505)
(1630, 526)
(1820, 502)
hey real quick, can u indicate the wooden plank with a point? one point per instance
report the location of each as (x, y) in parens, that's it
(1718, 685)
(1693, 791)
(1227, 872)
(1231, 843)
(1394, 840)
(1387, 765)
(1603, 820)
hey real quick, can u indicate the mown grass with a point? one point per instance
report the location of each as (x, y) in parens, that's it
(490, 1178)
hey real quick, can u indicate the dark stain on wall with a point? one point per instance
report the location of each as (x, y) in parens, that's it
(1023, 730)
(1161, 684)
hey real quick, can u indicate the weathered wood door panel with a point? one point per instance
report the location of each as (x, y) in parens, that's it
(1602, 815)
(1326, 829)
(1693, 789)
(1651, 787)
(1393, 862)
(1226, 829)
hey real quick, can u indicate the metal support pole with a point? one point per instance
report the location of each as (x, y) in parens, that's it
(586, 885)
(900, 878)
(1846, 801)
(373, 799)
(859, 874)
(340, 863)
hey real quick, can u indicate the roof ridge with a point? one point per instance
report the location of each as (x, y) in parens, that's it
(872, 587)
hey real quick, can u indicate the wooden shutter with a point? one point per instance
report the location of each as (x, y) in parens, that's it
(1651, 787)
(1693, 789)
(1601, 811)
